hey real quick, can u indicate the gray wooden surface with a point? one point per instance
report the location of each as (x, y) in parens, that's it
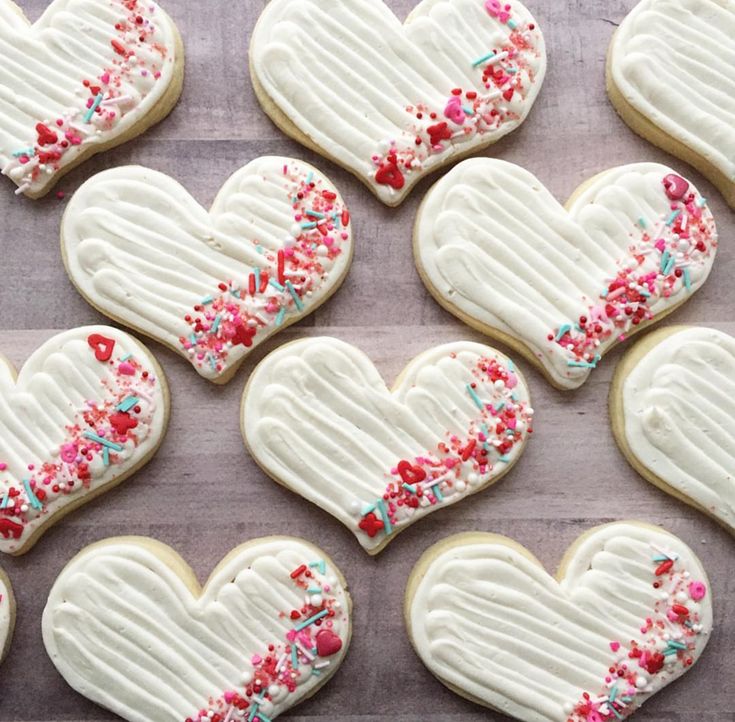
(571, 477)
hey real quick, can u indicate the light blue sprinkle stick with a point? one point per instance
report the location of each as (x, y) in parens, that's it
(105, 456)
(280, 316)
(687, 280)
(384, 515)
(294, 657)
(310, 177)
(276, 285)
(483, 59)
(308, 226)
(410, 488)
(321, 565)
(674, 215)
(25, 151)
(127, 357)
(207, 300)
(96, 104)
(311, 620)
(5, 501)
(582, 364)
(109, 444)
(566, 328)
(35, 503)
(315, 214)
(295, 296)
(475, 397)
(127, 404)
(437, 492)
(215, 325)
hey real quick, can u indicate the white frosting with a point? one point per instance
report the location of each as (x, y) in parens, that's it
(498, 248)
(674, 62)
(352, 79)
(124, 629)
(6, 614)
(679, 416)
(63, 394)
(142, 250)
(489, 621)
(318, 417)
(43, 69)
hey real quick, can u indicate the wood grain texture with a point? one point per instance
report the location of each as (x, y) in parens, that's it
(203, 495)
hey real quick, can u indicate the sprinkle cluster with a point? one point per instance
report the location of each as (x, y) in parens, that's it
(667, 643)
(103, 99)
(283, 665)
(281, 285)
(660, 258)
(104, 433)
(459, 462)
(467, 112)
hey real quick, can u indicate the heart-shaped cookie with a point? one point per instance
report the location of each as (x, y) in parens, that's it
(89, 75)
(317, 416)
(7, 615)
(128, 626)
(390, 102)
(629, 612)
(563, 285)
(89, 408)
(210, 285)
(673, 415)
(663, 46)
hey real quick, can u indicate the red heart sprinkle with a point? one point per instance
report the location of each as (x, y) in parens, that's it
(102, 346)
(676, 187)
(411, 473)
(46, 136)
(327, 643)
(389, 175)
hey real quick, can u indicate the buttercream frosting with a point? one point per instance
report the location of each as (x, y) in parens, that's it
(631, 614)
(393, 102)
(568, 283)
(87, 409)
(125, 627)
(318, 417)
(211, 285)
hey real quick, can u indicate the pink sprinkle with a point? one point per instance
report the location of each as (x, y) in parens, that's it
(661, 245)
(105, 78)
(126, 369)
(615, 646)
(697, 591)
(257, 659)
(3, 466)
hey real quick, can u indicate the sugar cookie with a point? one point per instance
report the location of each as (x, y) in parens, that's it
(7, 615)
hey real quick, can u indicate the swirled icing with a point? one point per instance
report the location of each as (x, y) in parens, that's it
(674, 62)
(318, 417)
(126, 626)
(87, 73)
(211, 285)
(679, 416)
(71, 424)
(6, 614)
(631, 613)
(497, 248)
(393, 102)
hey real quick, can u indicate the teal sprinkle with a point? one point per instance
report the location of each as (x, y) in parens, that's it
(215, 325)
(468, 111)
(106, 456)
(483, 59)
(96, 104)
(207, 300)
(673, 216)
(410, 488)
(260, 250)
(127, 357)
(212, 362)
(566, 328)
(193, 339)
(582, 364)
(308, 226)
(35, 503)
(315, 673)
(644, 292)
(670, 651)
(295, 296)
(510, 71)
(315, 214)
(308, 622)
(613, 693)
(670, 266)
(235, 292)
(310, 177)
(256, 271)
(702, 202)
(294, 657)
(664, 260)
(511, 365)
(676, 645)
(475, 397)
(642, 222)
(504, 459)
(661, 558)
(687, 280)
(437, 492)
(615, 712)
(108, 444)
(279, 317)
(276, 285)
(514, 396)
(314, 590)
(384, 516)
(367, 509)
(321, 565)
(127, 404)
(253, 712)
(25, 151)
(604, 293)
(5, 501)
(500, 407)
(512, 24)
(337, 221)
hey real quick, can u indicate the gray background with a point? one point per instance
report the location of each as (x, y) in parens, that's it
(570, 478)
